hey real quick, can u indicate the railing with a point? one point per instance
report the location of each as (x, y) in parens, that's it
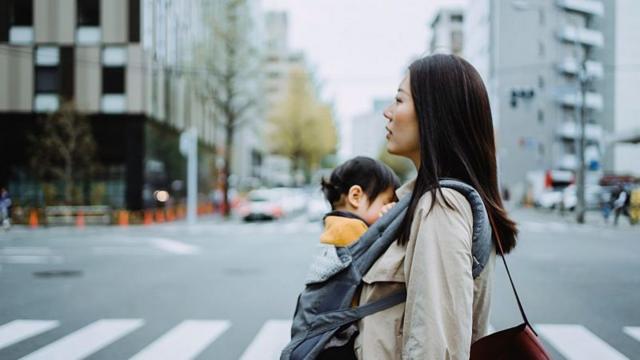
(589, 7)
(581, 35)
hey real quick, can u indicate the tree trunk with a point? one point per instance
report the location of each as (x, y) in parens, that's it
(68, 182)
(227, 168)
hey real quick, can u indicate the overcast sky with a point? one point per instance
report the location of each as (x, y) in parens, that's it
(360, 49)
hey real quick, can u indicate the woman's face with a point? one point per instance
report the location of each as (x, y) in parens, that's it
(403, 137)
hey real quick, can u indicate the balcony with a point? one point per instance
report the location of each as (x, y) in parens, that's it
(581, 35)
(593, 100)
(588, 7)
(571, 66)
(570, 130)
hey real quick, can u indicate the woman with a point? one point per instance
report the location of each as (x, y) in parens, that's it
(441, 121)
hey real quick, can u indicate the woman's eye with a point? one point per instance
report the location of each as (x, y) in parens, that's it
(398, 100)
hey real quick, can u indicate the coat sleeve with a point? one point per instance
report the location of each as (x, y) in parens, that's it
(439, 309)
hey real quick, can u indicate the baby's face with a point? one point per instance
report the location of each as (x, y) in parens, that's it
(370, 210)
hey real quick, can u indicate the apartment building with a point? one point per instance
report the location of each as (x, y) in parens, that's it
(529, 53)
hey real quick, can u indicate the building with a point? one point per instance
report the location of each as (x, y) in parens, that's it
(132, 67)
(447, 32)
(280, 61)
(529, 54)
(622, 74)
(368, 133)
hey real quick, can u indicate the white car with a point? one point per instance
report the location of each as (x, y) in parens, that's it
(262, 204)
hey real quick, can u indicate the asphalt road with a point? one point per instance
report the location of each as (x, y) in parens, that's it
(227, 290)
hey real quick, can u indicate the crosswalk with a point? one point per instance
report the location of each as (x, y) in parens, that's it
(189, 338)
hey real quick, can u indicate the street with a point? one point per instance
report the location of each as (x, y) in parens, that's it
(227, 290)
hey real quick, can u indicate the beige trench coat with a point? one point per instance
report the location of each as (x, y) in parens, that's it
(446, 309)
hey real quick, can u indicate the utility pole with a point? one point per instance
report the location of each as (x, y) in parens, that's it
(189, 148)
(583, 80)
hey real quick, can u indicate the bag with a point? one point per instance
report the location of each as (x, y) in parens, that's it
(324, 312)
(520, 342)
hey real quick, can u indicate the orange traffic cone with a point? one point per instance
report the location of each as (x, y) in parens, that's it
(123, 218)
(33, 219)
(171, 215)
(148, 218)
(159, 216)
(80, 219)
(180, 212)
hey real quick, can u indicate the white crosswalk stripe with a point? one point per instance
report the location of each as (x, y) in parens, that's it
(191, 337)
(271, 339)
(87, 340)
(19, 330)
(185, 341)
(634, 332)
(175, 247)
(577, 342)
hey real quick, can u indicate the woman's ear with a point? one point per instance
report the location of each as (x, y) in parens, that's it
(354, 197)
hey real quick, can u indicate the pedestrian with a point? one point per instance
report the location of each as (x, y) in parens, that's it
(5, 203)
(441, 121)
(621, 205)
(359, 191)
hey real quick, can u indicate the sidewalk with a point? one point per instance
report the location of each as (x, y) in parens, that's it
(592, 218)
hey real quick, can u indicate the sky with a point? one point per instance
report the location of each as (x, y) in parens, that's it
(359, 49)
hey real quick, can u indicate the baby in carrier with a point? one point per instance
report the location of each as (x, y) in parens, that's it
(359, 192)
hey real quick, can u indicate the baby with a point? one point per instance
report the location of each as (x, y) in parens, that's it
(359, 192)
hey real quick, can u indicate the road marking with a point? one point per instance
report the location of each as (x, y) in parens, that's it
(25, 250)
(19, 330)
(175, 247)
(577, 342)
(87, 340)
(185, 341)
(634, 332)
(271, 339)
(31, 259)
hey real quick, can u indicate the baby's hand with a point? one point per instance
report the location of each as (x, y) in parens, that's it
(386, 208)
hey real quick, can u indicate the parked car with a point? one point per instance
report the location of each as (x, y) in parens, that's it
(262, 204)
(594, 195)
(548, 187)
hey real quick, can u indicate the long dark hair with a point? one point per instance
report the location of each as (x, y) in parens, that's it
(373, 176)
(456, 137)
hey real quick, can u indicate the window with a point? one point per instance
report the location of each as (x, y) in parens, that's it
(88, 12)
(540, 116)
(21, 12)
(113, 80)
(47, 71)
(19, 21)
(114, 60)
(456, 18)
(47, 78)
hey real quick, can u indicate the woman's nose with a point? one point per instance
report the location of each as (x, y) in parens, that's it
(387, 112)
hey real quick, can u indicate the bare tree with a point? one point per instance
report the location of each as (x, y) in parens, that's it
(64, 148)
(230, 75)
